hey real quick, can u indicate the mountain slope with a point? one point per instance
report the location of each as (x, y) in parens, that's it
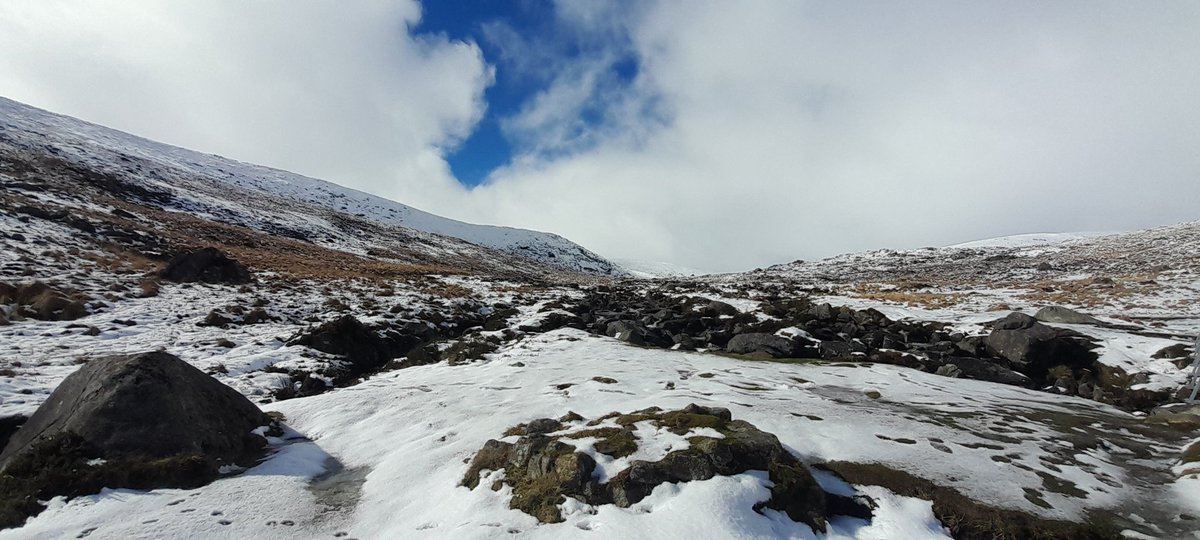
(266, 199)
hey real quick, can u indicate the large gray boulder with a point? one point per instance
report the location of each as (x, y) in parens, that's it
(143, 421)
(1032, 348)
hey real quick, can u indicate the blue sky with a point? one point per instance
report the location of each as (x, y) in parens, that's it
(488, 24)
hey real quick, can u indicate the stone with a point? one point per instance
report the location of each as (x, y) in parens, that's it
(760, 344)
(1032, 348)
(154, 421)
(345, 336)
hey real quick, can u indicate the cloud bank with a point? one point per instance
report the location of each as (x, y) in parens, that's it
(751, 133)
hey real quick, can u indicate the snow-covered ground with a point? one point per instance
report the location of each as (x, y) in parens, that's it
(401, 440)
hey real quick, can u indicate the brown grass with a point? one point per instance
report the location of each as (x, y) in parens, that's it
(907, 296)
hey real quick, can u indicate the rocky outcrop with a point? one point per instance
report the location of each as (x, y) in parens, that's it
(364, 349)
(143, 421)
(1032, 348)
(205, 265)
(543, 468)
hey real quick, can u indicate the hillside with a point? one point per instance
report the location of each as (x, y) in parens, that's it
(280, 203)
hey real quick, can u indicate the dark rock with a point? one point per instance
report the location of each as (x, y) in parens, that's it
(551, 321)
(1032, 348)
(542, 426)
(9, 426)
(834, 350)
(758, 344)
(1178, 350)
(215, 318)
(365, 350)
(468, 349)
(982, 370)
(207, 265)
(153, 419)
(718, 308)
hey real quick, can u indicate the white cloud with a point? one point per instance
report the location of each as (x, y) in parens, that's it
(754, 132)
(336, 90)
(803, 130)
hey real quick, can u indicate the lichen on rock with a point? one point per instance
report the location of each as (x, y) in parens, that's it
(543, 468)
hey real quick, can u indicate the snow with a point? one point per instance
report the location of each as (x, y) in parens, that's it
(1030, 240)
(413, 430)
(655, 269)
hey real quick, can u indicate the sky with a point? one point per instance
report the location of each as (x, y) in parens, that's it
(708, 134)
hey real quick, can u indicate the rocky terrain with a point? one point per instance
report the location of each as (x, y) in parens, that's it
(419, 378)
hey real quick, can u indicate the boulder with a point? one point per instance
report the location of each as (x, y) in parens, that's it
(760, 344)
(206, 265)
(143, 421)
(1032, 348)
(1062, 315)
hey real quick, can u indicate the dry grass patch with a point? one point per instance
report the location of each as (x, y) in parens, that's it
(907, 295)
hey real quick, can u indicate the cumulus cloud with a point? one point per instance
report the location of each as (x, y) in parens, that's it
(335, 90)
(751, 134)
(800, 130)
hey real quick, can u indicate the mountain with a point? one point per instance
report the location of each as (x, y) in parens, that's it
(419, 385)
(270, 200)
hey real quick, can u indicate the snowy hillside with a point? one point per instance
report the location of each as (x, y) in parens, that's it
(1027, 240)
(652, 269)
(225, 189)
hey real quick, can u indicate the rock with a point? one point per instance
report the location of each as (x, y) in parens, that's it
(9, 426)
(1172, 352)
(759, 344)
(636, 333)
(543, 425)
(982, 370)
(468, 349)
(152, 419)
(551, 321)
(718, 308)
(543, 470)
(206, 265)
(835, 350)
(365, 350)
(1032, 348)
(1062, 315)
